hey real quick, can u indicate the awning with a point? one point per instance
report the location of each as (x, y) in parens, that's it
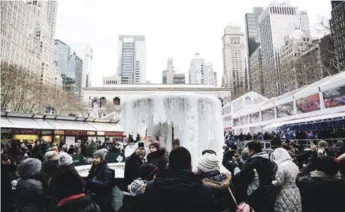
(71, 125)
(107, 127)
(5, 123)
(26, 123)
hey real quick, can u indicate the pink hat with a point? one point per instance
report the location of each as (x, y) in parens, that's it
(155, 144)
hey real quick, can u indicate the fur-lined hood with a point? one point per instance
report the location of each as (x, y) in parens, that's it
(217, 184)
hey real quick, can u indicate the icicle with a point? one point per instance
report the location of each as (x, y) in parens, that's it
(196, 119)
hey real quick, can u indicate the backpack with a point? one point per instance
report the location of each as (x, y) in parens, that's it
(242, 207)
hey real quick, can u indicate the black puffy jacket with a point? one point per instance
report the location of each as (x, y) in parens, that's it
(100, 184)
(180, 191)
(30, 196)
(158, 158)
(321, 192)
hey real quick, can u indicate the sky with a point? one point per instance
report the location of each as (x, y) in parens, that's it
(173, 28)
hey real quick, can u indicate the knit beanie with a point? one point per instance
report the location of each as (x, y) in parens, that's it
(51, 155)
(322, 144)
(101, 153)
(135, 188)
(148, 171)
(208, 162)
(65, 159)
(155, 144)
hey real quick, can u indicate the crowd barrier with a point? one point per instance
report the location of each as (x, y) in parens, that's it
(303, 142)
(119, 169)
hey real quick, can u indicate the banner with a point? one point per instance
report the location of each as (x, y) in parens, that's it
(308, 104)
(285, 110)
(334, 97)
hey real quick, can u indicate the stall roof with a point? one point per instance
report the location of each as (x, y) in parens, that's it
(107, 127)
(70, 125)
(51, 124)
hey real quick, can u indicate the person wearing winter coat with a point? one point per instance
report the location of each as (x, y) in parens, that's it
(254, 182)
(134, 200)
(208, 168)
(322, 188)
(288, 198)
(100, 181)
(8, 170)
(66, 182)
(157, 156)
(132, 165)
(177, 188)
(30, 196)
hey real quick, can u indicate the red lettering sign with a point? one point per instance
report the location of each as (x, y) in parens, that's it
(113, 133)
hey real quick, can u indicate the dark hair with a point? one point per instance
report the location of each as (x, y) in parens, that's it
(327, 164)
(176, 142)
(255, 145)
(210, 151)
(276, 142)
(180, 159)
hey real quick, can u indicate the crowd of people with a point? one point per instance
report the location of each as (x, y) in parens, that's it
(286, 178)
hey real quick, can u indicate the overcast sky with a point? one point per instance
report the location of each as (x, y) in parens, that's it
(173, 28)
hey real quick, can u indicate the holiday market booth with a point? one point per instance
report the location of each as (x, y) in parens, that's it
(320, 104)
(53, 128)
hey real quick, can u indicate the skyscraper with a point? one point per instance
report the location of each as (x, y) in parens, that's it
(200, 71)
(27, 38)
(132, 59)
(45, 12)
(252, 29)
(71, 68)
(277, 21)
(195, 70)
(337, 24)
(234, 61)
(85, 52)
(168, 73)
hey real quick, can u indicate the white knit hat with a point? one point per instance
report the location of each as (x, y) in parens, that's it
(65, 159)
(51, 155)
(208, 162)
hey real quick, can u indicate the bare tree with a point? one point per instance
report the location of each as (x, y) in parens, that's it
(23, 92)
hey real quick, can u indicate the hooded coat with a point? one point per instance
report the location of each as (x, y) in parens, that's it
(254, 183)
(177, 190)
(30, 195)
(219, 185)
(288, 198)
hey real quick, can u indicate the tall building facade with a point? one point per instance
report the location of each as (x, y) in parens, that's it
(179, 78)
(235, 74)
(256, 72)
(85, 52)
(195, 70)
(291, 64)
(132, 59)
(169, 72)
(27, 38)
(251, 21)
(45, 13)
(17, 31)
(337, 24)
(71, 68)
(200, 71)
(277, 21)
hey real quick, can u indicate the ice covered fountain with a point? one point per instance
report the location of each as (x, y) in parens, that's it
(194, 119)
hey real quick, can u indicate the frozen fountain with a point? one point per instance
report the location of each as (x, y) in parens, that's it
(194, 119)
